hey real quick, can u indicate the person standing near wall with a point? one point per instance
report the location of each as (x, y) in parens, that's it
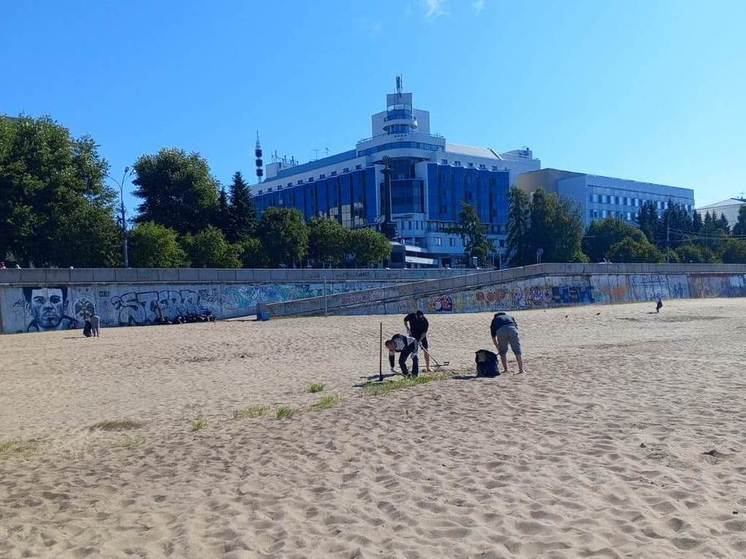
(417, 327)
(504, 330)
(95, 325)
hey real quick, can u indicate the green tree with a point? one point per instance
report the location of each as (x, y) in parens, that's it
(176, 190)
(696, 223)
(647, 220)
(602, 234)
(734, 252)
(284, 236)
(740, 226)
(252, 253)
(629, 250)
(327, 241)
(210, 249)
(153, 245)
(473, 234)
(519, 222)
(222, 213)
(242, 212)
(556, 228)
(694, 253)
(52, 192)
(368, 247)
(722, 224)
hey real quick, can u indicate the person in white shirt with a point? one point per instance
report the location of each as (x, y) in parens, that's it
(405, 346)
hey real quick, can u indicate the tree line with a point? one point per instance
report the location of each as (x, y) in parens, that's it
(57, 209)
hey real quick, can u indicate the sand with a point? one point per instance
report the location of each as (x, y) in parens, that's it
(626, 439)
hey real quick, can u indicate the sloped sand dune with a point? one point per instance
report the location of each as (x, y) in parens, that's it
(626, 439)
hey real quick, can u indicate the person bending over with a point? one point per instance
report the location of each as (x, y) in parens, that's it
(504, 330)
(417, 326)
(405, 346)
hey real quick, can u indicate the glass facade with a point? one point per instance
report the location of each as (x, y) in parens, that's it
(349, 198)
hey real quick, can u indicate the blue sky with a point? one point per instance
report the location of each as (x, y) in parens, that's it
(647, 90)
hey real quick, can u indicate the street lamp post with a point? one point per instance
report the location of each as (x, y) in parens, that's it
(123, 214)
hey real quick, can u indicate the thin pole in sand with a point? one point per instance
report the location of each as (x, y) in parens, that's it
(380, 351)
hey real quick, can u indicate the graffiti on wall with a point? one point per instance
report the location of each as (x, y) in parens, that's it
(35, 309)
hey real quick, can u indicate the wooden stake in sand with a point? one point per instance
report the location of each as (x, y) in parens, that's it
(380, 351)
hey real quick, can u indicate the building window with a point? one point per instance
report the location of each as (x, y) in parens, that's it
(334, 173)
(457, 163)
(310, 179)
(438, 242)
(452, 242)
(300, 181)
(358, 167)
(494, 167)
(604, 213)
(346, 170)
(502, 243)
(482, 166)
(322, 176)
(444, 161)
(469, 164)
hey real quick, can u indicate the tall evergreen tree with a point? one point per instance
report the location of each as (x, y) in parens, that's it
(177, 190)
(647, 220)
(474, 234)
(519, 221)
(696, 223)
(242, 212)
(740, 226)
(722, 224)
(222, 212)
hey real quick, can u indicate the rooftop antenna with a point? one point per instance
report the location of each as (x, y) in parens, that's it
(258, 159)
(326, 151)
(399, 83)
(316, 152)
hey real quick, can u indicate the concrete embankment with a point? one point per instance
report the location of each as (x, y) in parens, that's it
(537, 286)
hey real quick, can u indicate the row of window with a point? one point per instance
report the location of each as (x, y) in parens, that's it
(469, 164)
(312, 179)
(632, 202)
(601, 214)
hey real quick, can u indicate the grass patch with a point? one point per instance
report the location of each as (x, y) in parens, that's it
(326, 402)
(383, 388)
(284, 412)
(17, 447)
(314, 388)
(252, 412)
(129, 442)
(117, 425)
(199, 424)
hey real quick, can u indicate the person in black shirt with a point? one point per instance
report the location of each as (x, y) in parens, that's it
(504, 330)
(417, 326)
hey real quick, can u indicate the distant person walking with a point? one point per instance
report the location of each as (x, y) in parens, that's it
(96, 325)
(658, 304)
(417, 327)
(504, 330)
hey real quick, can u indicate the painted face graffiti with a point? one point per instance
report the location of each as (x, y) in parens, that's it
(47, 306)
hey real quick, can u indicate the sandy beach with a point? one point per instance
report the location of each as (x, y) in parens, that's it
(627, 438)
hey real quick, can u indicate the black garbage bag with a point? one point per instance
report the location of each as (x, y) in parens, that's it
(486, 361)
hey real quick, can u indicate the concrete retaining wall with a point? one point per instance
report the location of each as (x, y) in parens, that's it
(540, 286)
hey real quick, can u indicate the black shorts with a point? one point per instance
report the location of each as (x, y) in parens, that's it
(423, 343)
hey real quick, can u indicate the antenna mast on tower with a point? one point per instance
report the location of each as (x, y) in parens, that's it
(258, 160)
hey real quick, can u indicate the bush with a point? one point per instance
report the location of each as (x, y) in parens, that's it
(629, 250)
(368, 247)
(210, 249)
(734, 252)
(695, 254)
(601, 235)
(155, 246)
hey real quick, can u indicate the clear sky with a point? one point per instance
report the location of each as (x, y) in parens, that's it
(647, 90)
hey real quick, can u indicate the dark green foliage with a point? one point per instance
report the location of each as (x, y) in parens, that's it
(284, 236)
(222, 213)
(554, 227)
(153, 245)
(647, 220)
(251, 253)
(210, 249)
(55, 209)
(629, 250)
(176, 190)
(740, 226)
(694, 253)
(368, 247)
(327, 242)
(473, 234)
(241, 211)
(519, 222)
(603, 234)
(734, 252)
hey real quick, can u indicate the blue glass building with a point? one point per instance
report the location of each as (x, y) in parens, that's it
(429, 180)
